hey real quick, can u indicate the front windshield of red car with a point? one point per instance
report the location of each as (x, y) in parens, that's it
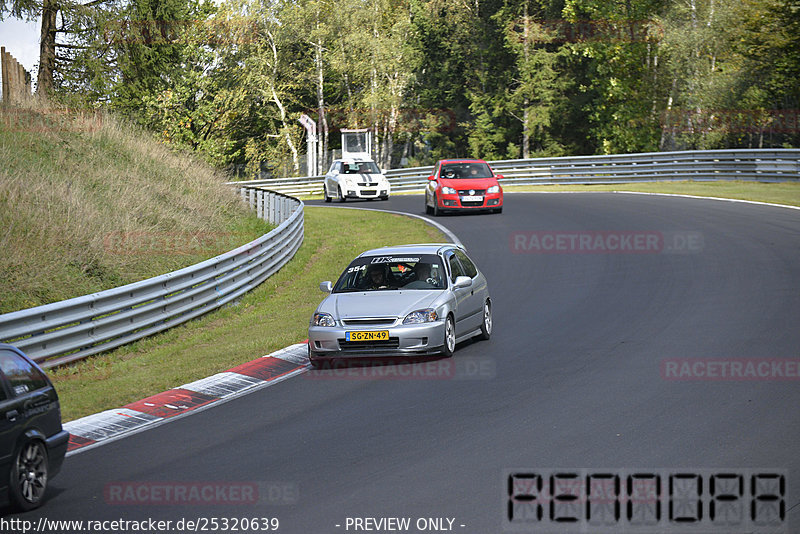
(467, 170)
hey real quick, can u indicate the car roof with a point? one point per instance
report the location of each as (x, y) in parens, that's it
(11, 347)
(462, 161)
(20, 352)
(354, 158)
(420, 248)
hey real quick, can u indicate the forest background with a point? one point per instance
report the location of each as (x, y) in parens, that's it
(494, 79)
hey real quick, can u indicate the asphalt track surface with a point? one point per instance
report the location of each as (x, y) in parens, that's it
(573, 378)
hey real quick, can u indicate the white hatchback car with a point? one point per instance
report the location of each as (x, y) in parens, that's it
(355, 178)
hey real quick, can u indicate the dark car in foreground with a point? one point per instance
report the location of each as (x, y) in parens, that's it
(32, 442)
(463, 185)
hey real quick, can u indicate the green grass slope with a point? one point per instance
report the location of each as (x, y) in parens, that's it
(87, 204)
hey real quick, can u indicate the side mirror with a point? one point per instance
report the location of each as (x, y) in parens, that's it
(325, 287)
(432, 177)
(499, 176)
(462, 282)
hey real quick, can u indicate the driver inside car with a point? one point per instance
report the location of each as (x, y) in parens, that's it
(376, 277)
(423, 273)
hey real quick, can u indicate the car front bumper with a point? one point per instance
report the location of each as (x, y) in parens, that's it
(56, 450)
(368, 191)
(413, 339)
(457, 202)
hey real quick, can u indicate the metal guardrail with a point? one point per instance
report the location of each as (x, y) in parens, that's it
(73, 329)
(764, 165)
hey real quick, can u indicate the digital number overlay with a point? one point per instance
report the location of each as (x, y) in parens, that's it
(645, 501)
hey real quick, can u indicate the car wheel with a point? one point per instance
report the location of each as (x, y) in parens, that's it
(385, 197)
(428, 209)
(28, 480)
(436, 210)
(341, 196)
(486, 326)
(325, 193)
(449, 346)
(498, 210)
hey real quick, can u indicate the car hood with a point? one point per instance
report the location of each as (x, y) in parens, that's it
(386, 303)
(363, 177)
(468, 183)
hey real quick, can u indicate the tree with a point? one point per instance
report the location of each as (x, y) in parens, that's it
(538, 83)
(625, 81)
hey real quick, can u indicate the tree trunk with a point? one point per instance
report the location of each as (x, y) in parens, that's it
(526, 46)
(287, 132)
(47, 49)
(322, 121)
(281, 109)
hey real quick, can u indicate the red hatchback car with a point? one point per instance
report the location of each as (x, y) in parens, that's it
(463, 184)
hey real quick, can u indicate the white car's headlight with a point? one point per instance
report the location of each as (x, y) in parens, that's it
(493, 189)
(427, 315)
(448, 190)
(323, 319)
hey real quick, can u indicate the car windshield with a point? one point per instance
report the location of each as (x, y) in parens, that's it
(466, 170)
(384, 273)
(360, 167)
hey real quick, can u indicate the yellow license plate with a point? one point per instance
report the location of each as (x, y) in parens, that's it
(378, 335)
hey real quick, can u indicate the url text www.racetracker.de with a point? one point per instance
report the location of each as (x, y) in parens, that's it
(197, 524)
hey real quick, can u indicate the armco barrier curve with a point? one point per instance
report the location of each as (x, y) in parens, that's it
(763, 165)
(73, 329)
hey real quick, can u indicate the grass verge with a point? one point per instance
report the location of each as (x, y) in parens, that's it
(88, 204)
(269, 318)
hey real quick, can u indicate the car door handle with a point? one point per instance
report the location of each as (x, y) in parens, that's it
(36, 401)
(11, 415)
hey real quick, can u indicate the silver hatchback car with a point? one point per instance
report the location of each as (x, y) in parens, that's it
(401, 300)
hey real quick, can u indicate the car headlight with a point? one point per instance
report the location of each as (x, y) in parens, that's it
(323, 319)
(493, 189)
(427, 315)
(448, 190)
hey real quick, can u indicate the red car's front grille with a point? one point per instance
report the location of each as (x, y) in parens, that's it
(463, 192)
